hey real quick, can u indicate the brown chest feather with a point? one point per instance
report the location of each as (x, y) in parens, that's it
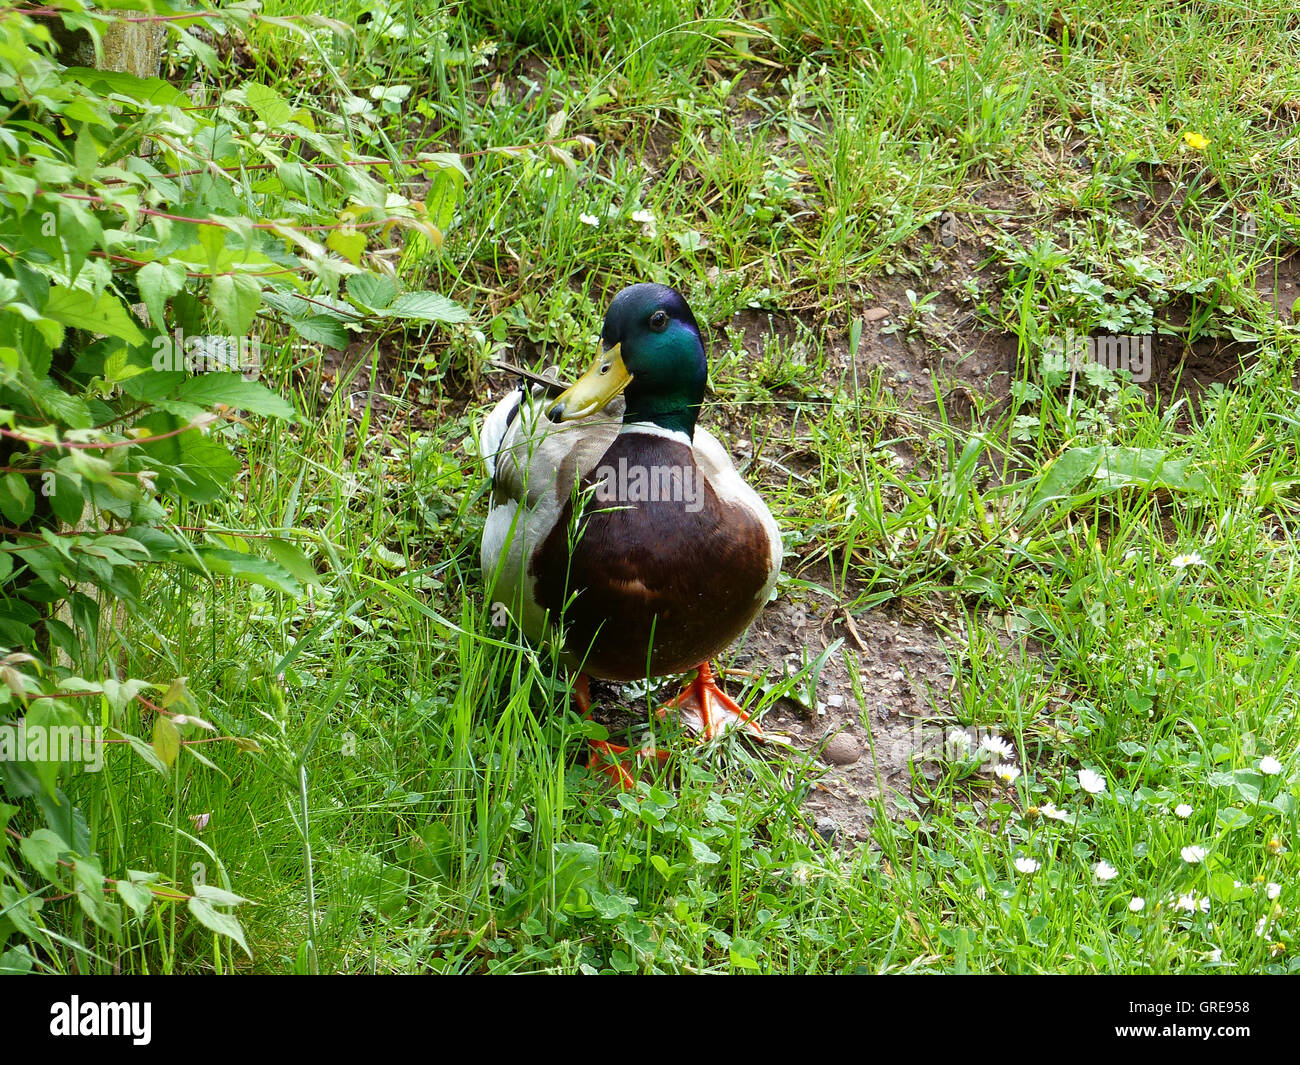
(657, 554)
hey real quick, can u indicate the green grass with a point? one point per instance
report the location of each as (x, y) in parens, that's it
(419, 803)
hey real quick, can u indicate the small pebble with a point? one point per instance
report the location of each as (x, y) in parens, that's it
(827, 828)
(841, 749)
(835, 700)
(875, 314)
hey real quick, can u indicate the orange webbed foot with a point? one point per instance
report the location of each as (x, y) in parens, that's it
(707, 709)
(611, 760)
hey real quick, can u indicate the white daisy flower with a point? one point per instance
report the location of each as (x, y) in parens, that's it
(647, 220)
(1191, 903)
(997, 747)
(1215, 956)
(1026, 865)
(1137, 904)
(1092, 783)
(1006, 773)
(1049, 810)
(1272, 890)
(1194, 855)
(1261, 928)
(1269, 766)
(1104, 871)
(1183, 561)
(588, 219)
(958, 741)
(1183, 810)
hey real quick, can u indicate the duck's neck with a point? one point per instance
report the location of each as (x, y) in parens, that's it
(672, 410)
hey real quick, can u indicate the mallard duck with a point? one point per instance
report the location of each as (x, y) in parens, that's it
(615, 515)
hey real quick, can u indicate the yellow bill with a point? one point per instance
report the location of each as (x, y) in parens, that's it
(604, 380)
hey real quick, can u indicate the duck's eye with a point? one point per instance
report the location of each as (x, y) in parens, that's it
(659, 321)
(604, 368)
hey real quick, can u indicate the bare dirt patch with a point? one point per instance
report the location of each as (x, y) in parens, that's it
(862, 736)
(1281, 285)
(1181, 370)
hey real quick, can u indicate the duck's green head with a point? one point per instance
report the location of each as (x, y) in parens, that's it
(652, 352)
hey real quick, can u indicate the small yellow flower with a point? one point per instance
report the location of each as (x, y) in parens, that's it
(1195, 140)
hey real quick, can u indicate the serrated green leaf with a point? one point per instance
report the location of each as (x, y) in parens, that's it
(426, 307)
(60, 405)
(209, 389)
(321, 329)
(270, 106)
(159, 282)
(446, 186)
(236, 298)
(81, 310)
(375, 291)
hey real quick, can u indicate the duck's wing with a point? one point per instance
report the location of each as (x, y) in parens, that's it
(528, 456)
(534, 464)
